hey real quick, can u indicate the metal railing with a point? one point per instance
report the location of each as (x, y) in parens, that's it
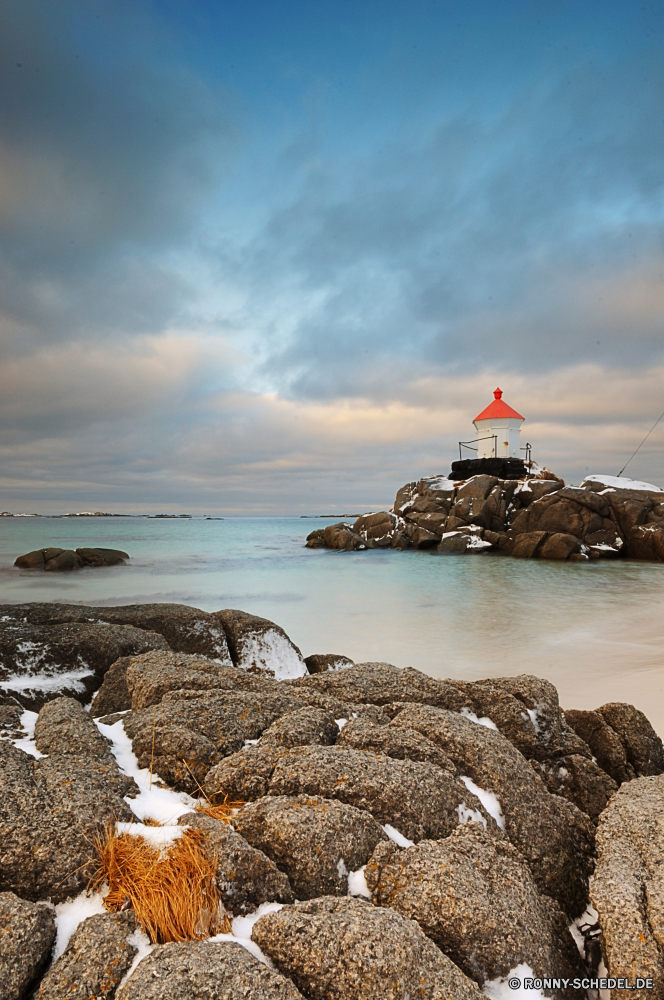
(469, 445)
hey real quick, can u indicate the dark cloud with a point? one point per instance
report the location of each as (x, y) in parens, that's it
(109, 148)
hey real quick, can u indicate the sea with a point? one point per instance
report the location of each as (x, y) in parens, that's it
(596, 629)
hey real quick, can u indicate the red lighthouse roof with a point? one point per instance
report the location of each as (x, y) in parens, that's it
(498, 409)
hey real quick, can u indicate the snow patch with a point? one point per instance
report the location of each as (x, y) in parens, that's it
(396, 837)
(488, 799)
(341, 723)
(71, 679)
(477, 544)
(468, 815)
(441, 483)
(70, 914)
(156, 802)
(141, 941)
(619, 483)
(588, 921)
(27, 742)
(533, 712)
(341, 868)
(274, 652)
(241, 928)
(156, 836)
(497, 989)
(483, 721)
(357, 883)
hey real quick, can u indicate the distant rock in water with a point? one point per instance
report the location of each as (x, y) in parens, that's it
(529, 518)
(58, 560)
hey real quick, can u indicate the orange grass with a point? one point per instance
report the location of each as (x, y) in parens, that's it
(172, 890)
(223, 812)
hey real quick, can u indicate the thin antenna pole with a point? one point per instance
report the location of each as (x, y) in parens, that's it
(640, 446)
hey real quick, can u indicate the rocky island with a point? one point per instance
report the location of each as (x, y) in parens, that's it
(190, 809)
(535, 517)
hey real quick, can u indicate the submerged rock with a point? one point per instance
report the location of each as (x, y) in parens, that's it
(347, 949)
(59, 560)
(27, 932)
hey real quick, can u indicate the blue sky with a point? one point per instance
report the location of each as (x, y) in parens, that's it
(273, 257)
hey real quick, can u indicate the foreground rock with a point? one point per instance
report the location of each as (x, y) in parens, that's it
(190, 731)
(475, 898)
(529, 518)
(196, 970)
(58, 560)
(417, 799)
(246, 876)
(347, 949)
(52, 809)
(94, 961)
(553, 835)
(628, 886)
(27, 932)
(316, 841)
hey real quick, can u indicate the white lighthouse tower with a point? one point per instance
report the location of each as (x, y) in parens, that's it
(498, 430)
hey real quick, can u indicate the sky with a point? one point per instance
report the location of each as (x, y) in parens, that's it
(273, 256)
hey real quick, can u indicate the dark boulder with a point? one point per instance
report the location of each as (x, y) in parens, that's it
(246, 877)
(315, 841)
(185, 629)
(41, 660)
(27, 932)
(113, 695)
(196, 970)
(347, 949)
(319, 663)
(59, 560)
(94, 961)
(473, 895)
(258, 645)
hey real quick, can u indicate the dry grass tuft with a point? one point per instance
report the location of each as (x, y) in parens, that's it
(173, 890)
(223, 812)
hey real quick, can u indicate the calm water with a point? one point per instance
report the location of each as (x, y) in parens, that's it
(595, 630)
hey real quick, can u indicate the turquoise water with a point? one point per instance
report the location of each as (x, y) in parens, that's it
(596, 630)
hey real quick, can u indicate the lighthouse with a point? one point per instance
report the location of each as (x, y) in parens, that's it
(498, 430)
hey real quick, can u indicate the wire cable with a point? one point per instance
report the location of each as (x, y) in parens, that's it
(640, 446)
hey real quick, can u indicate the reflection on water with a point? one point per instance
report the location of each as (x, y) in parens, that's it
(595, 630)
